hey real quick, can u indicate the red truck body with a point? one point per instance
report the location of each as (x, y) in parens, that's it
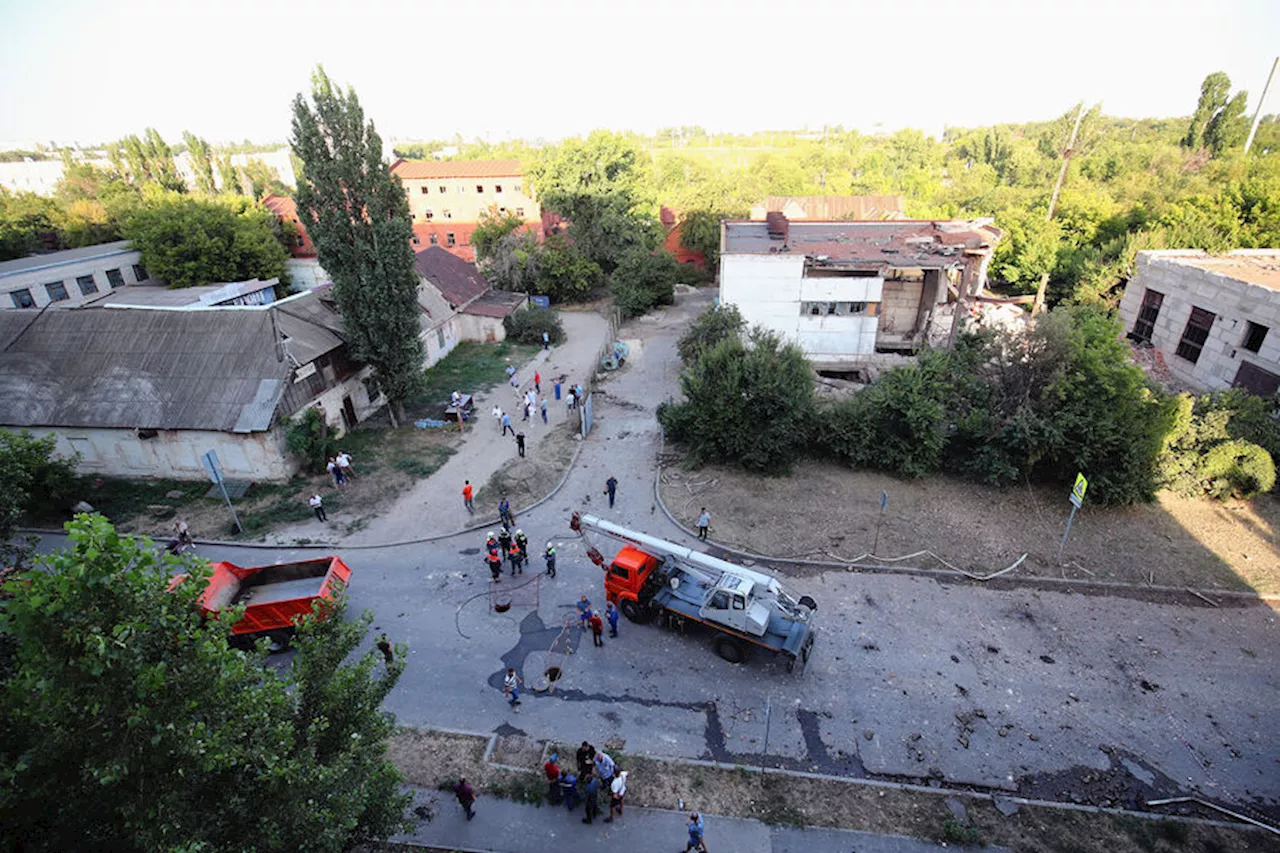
(273, 596)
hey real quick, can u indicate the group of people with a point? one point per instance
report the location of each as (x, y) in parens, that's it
(596, 776)
(588, 617)
(508, 547)
(341, 469)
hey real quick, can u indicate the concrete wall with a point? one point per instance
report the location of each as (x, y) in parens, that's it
(175, 454)
(439, 341)
(461, 203)
(34, 280)
(473, 327)
(1233, 302)
(305, 274)
(354, 386)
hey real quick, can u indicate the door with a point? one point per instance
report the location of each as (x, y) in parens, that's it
(1255, 380)
(726, 608)
(349, 419)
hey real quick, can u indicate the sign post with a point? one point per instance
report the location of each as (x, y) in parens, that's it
(884, 502)
(1077, 499)
(210, 462)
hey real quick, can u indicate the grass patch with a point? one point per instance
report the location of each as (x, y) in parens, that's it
(954, 832)
(121, 500)
(470, 368)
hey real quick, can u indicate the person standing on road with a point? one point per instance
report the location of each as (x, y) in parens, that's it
(552, 771)
(537, 382)
(318, 505)
(516, 556)
(557, 389)
(704, 521)
(467, 494)
(385, 647)
(617, 792)
(339, 477)
(591, 800)
(585, 756)
(546, 341)
(504, 512)
(604, 766)
(504, 542)
(520, 439)
(494, 559)
(611, 613)
(550, 557)
(506, 424)
(597, 629)
(497, 414)
(544, 409)
(611, 488)
(466, 796)
(696, 829)
(511, 689)
(569, 790)
(522, 542)
(584, 613)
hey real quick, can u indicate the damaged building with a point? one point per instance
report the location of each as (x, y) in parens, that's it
(855, 295)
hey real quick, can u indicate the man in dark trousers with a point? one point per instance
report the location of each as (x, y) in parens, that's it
(585, 756)
(494, 560)
(504, 542)
(385, 648)
(611, 488)
(522, 542)
(591, 799)
(550, 557)
(611, 613)
(552, 771)
(466, 797)
(520, 440)
(569, 790)
(597, 629)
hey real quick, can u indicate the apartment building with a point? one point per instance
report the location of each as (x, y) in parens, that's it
(71, 277)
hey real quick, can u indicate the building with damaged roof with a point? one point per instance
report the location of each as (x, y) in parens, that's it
(854, 295)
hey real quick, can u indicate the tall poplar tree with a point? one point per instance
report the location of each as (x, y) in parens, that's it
(357, 215)
(201, 162)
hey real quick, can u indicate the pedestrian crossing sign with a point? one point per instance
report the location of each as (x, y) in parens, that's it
(1078, 490)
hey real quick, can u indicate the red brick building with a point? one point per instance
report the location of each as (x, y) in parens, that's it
(672, 224)
(287, 212)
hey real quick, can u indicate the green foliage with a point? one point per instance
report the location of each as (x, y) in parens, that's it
(359, 220)
(188, 241)
(1191, 463)
(713, 326)
(514, 261)
(645, 280)
(1237, 469)
(470, 367)
(490, 231)
(36, 484)
(201, 161)
(700, 232)
(129, 724)
(526, 327)
(1028, 249)
(749, 402)
(25, 222)
(564, 273)
(148, 160)
(308, 437)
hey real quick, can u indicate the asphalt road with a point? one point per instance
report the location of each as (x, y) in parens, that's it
(1057, 695)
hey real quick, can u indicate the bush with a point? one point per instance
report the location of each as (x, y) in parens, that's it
(526, 327)
(309, 437)
(564, 273)
(747, 402)
(1201, 425)
(645, 280)
(36, 482)
(715, 325)
(1237, 469)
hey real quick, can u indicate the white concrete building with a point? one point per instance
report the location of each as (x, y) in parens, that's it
(853, 294)
(31, 176)
(71, 277)
(1214, 319)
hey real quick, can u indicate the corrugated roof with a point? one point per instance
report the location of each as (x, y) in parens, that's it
(496, 303)
(211, 370)
(427, 169)
(871, 245)
(312, 325)
(68, 256)
(458, 281)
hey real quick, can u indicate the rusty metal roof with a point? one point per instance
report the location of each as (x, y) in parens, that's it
(867, 244)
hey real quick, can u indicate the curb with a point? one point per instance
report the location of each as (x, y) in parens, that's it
(1054, 584)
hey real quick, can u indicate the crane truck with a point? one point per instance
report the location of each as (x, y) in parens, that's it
(651, 577)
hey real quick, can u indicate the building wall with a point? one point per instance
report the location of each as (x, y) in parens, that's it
(175, 454)
(33, 281)
(31, 176)
(438, 341)
(473, 327)
(1234, 303)
(464, 199)
(305, 274)
(330, 401)
(768, 290)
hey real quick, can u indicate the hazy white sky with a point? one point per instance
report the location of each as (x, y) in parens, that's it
(92, 70)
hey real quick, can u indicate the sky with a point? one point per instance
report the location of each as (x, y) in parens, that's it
(86, 71)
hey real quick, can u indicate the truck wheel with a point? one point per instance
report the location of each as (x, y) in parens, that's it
(730, 648)
(635, 612)
(806, 601)
(280, 640)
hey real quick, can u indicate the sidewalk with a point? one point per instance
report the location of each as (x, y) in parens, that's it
(502, 826)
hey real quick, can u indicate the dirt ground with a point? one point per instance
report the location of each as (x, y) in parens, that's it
(526, 480)
(429, 759)
(824, 512)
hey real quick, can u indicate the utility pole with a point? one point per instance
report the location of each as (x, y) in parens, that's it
(1257, 114)
(1038, 305)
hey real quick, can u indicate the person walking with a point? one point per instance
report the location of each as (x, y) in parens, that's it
(704, 521)
(569, 790)
(344, 462)
(617, 792)
(497, 415)
(696, 829)
(520, 439)
(506, 424)
(511, 689)
(467, 494)
(552, 771)
(537, 382)
(516, 558)
(546, 341)
(591, 800)
(550, 557)
(504, 512)
(611, 614)
(385, 647)
(318, 506)
(544, 409)
(522, 542)
(611, 488)
(557, 389)
(466, 796)
(597, 629)
(339, 478)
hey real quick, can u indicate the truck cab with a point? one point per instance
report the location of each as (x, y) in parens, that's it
(626, 576)
(730, 603)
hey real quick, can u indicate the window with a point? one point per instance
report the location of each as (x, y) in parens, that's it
(502, 211)
(1254, 335)
(843, 309)
(520, 212)
(425, 190)
(440, 337)
(497, 188)
(719, 600)
(22, 298)
(300, 241)
(1195, 334)
(1147, 314)
(115, 278)
(139, 272)
(619, 572)
(448, 239)
(87, 284)
(57, 291)
(443, 188)
(435, 241)
(479, 188)
(448, 214)
(739, 603)
(418, 242)
(427, 214)
(516, 188)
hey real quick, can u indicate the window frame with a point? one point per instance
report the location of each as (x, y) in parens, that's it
(1251, 330)
(1148, 314)
(53, 287)
(450, 239)
(479, 189)
(140, 272)
(22, 295)
(89, 287)
(1195, 334)
(112, 279)
(426, 190)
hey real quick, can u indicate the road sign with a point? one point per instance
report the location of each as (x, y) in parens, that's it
(211, 467)
(1078, 490)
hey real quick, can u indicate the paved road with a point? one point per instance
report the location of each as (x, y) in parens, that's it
(1052, 694)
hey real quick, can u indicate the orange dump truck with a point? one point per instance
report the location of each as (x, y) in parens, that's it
(273, 596)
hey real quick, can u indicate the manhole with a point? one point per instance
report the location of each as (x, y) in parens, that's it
(501, 606)
(552, 674)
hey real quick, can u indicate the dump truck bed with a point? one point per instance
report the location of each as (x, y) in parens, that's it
(273, 596)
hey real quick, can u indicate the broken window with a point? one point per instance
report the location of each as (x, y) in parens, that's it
(425, 190)
(840, 309)
(1254, 335)
(1147, 314)
(443, 188)
(497, 188)
(1195, 334)
(479, 188)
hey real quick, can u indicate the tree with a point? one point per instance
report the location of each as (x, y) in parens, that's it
(513, 262)
(187, 241)
(228, 175)
(1228, 127)
(262, 179)
(26, 220)
(201, 161)
(645, 280)
(358, 217)
(491, 230)
(564, 273)
(128, 723)
(149, 160)
(700, 232)
(36, 483)
(1213, 97)
(716, 324)
(749, 402)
